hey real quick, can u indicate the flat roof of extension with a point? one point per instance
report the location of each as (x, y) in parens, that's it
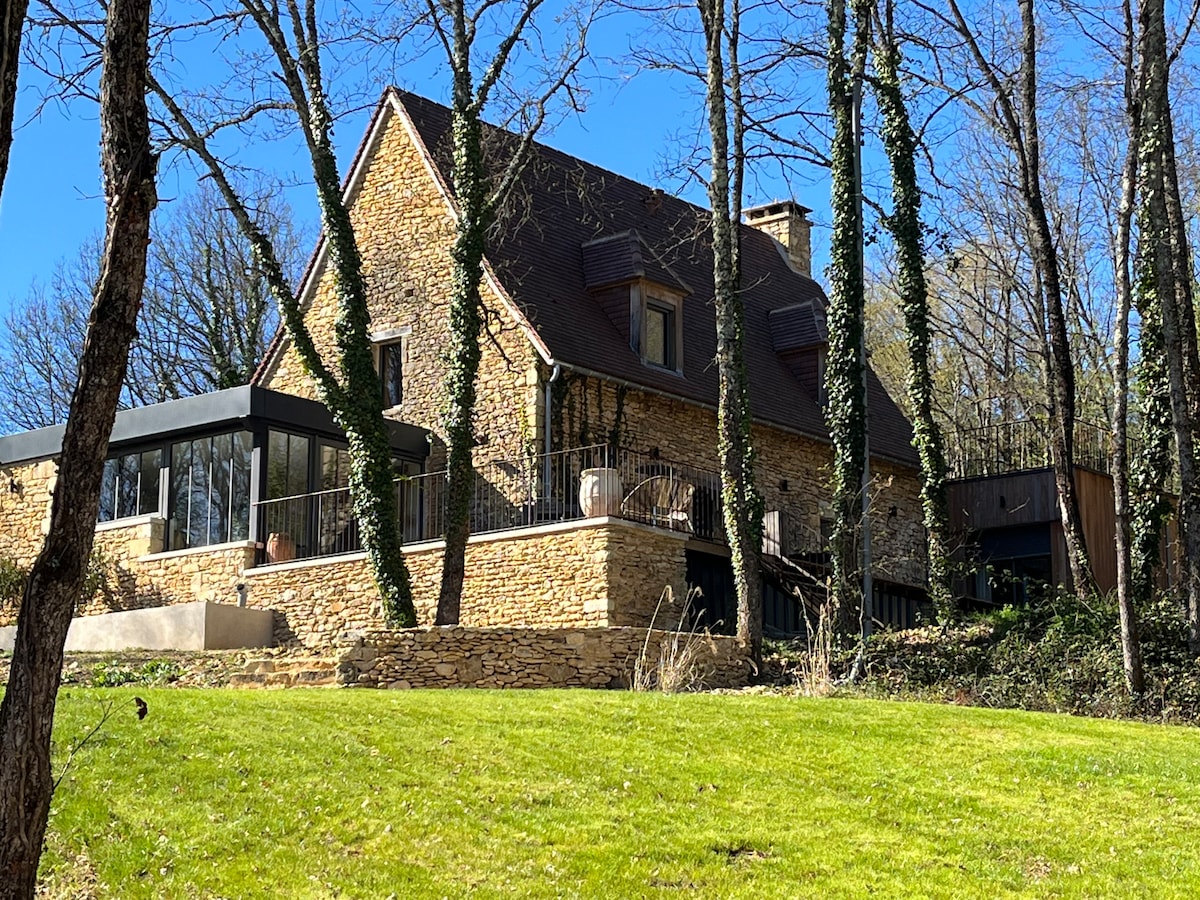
(207, 413)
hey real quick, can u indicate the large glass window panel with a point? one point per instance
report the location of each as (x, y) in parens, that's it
(108, 491)
(287, 465)
(151, 472)
(210, 490)
(180, 495)
(335, 467)
(129, 485)
(239, 504)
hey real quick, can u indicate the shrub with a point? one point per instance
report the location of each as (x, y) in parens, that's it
(12, 581)
(155, 671)
(1056, 655)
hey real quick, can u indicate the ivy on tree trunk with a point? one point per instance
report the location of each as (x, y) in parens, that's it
(1165, 245)
(905, 226)
(845, 370)
(741, 503)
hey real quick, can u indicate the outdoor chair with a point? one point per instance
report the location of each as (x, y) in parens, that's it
(662, 500)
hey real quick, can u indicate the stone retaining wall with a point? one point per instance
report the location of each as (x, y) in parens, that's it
(523, 657)
(592, 573)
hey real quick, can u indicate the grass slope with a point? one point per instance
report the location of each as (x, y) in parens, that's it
(561, 794)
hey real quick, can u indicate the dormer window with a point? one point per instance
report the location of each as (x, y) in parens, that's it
(656, 326)
(659, 344)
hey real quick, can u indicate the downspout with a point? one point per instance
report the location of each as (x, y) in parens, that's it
(547, 472)
(554, 373)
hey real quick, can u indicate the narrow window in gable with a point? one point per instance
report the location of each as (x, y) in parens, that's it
(390, 351)
(391, 373)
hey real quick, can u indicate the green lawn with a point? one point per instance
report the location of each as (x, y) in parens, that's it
(602, 794)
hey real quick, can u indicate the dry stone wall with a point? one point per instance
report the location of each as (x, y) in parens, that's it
(524, 657)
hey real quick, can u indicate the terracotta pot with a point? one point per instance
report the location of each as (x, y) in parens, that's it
(600, 492)
(280, 547)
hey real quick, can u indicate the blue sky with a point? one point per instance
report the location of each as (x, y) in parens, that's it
(52, 201)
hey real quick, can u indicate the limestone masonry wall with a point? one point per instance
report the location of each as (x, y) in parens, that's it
(592, 410)
(521, 657)
(607, 572)
(405, 232)
(25, 510)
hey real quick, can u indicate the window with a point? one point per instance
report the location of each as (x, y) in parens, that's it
(210, 490)
(660, 339)
(391, 373)
(287, 465)
(129, 486)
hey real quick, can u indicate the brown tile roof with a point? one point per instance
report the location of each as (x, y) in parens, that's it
(562, 204)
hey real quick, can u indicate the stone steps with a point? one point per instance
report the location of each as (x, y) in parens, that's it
(281, 673)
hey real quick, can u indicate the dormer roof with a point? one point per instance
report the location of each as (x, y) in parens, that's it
(625, 257)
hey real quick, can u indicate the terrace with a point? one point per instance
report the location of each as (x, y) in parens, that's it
(563, 486)
(1020, 445)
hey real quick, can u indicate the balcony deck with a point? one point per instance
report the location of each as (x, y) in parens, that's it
(1021, 445)
(536, 490)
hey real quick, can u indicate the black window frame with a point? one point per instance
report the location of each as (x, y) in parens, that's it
(391, 372)
(670, 325)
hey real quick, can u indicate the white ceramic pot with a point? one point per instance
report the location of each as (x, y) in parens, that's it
(600, 492)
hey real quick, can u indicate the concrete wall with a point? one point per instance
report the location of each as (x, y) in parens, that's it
(186, 626)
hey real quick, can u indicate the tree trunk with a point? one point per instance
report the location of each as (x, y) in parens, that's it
(905, 225)
(741, 504)
(1060, 373)
(12, 24)
(1131, 648)
(845, 371)
(56, 580)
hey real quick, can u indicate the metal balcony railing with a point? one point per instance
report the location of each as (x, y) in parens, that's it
(540, 489)
(1014, 446)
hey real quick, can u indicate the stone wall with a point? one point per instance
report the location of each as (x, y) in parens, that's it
(525, 657)
(25, 492)
(593, 573)
(405, 232)
(590, 410)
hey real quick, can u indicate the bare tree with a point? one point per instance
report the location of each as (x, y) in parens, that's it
(1016, 115)
(1131, 649)
(741, 503)
(205, 321)
(56, 580)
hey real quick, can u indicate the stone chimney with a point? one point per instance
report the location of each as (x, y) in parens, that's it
(787, 222)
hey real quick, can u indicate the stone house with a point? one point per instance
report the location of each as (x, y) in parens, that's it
(596, 427)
